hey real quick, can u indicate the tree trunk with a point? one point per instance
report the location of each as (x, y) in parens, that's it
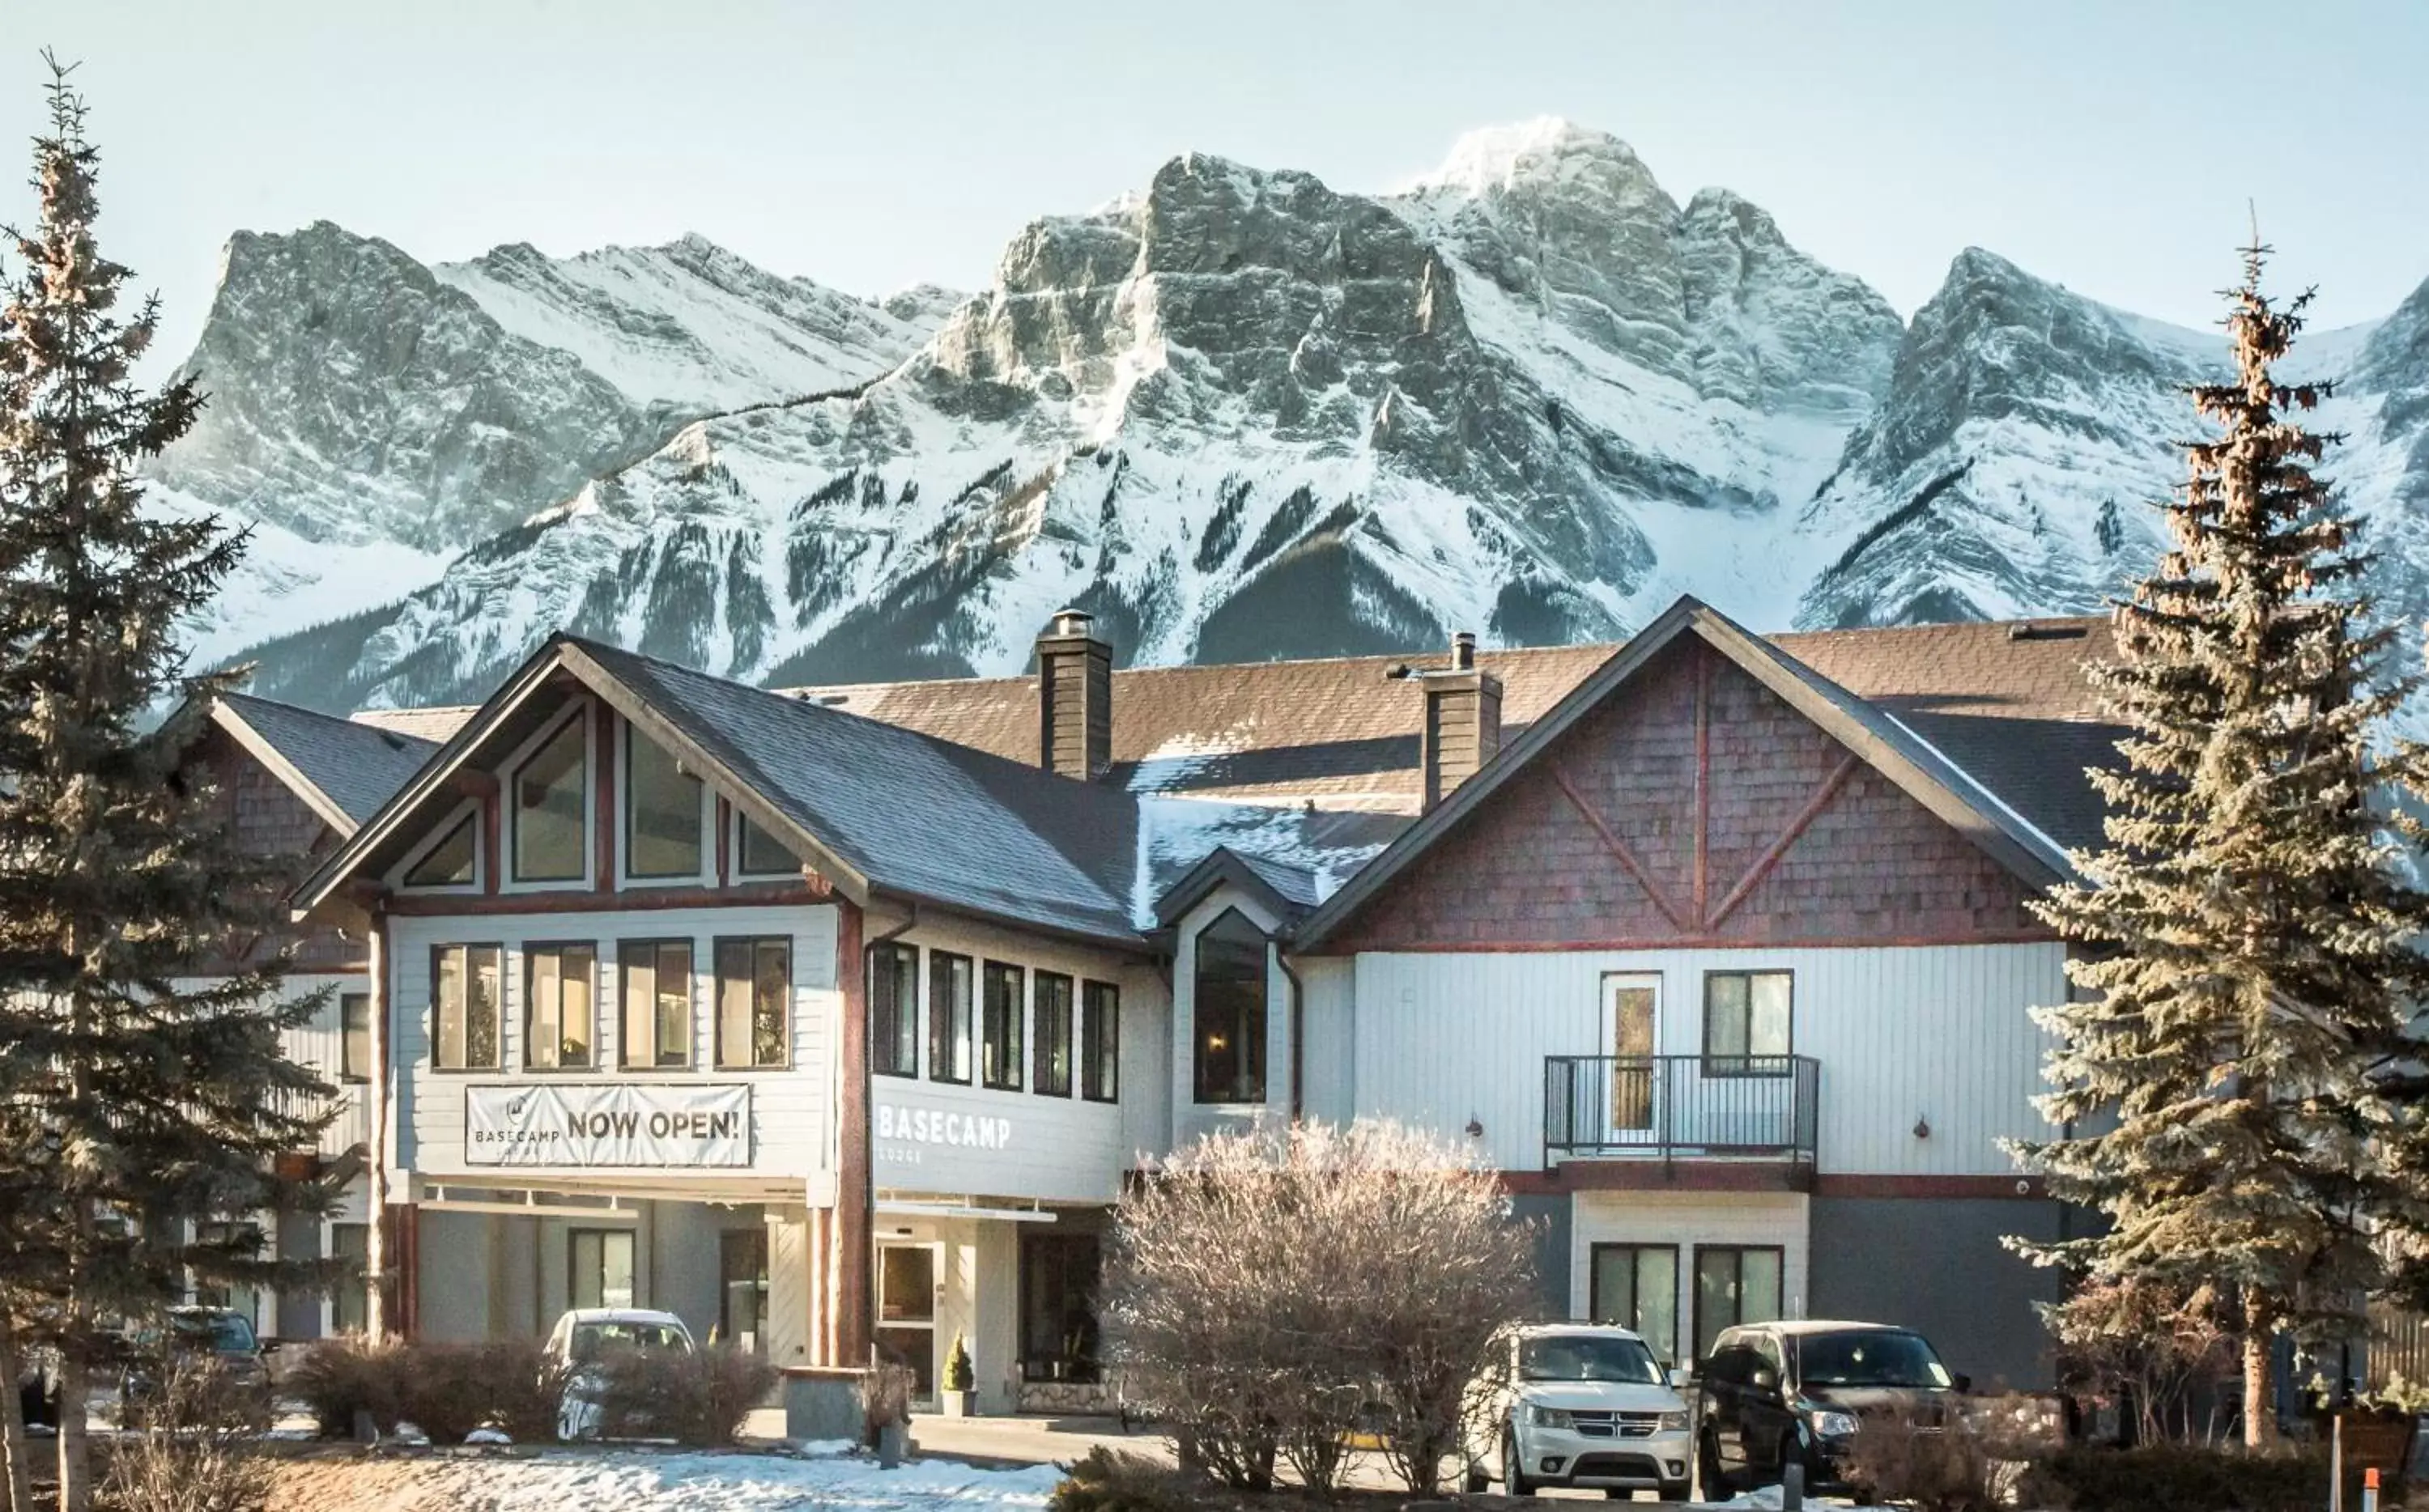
(76, 1459)
(16, 1471)
(2259, 1408)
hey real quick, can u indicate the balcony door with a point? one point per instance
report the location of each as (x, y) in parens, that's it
(1632, 1028)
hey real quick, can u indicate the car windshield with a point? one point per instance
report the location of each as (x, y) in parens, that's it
(592, 1339)
(1587, 1357)
(225, 1332)
(1873, 1357)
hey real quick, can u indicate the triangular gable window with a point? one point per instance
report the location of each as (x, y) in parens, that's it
(449, 863)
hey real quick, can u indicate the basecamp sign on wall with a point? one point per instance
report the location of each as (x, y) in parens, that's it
(607, 1124)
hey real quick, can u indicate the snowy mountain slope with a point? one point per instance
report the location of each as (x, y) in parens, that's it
(1238, 415)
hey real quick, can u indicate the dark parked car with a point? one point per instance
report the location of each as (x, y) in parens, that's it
(217, 1333)
(1779, 1393)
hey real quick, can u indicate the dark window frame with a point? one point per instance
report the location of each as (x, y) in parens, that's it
(625, 951)
(905, 1024)
(1695, 1286)
(468, 824)
(1198, 1087)
(530, 952)
(743, 825)
(349, 1073)
(1749, 1063)
(496, 1061)
(751, 943)
(704, 857)
(573, 1238)
(1042, 1043)
(1013, 1043)
(1594, 1288)
(580, 723)
(1100, 1000)
(945, 1014)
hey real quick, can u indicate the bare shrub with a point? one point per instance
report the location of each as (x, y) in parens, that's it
(2147, 1349)
(524, 1386)
(202, 1448)
(1272, 1286)
(887, 1402)
(1108, 1480)
(446, 1391)
(1966, 1455)
(342, 1377)
(699, 1399)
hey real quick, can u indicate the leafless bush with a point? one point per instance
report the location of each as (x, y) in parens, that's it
(1964, 1457)
(699, 1399)
(2146, 1349)
(888, 1399)
(1271, 1286)
(1108, 1480)
(201, 1450)
(342, 1377)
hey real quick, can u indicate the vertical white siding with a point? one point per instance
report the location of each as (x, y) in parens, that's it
(1939, 1033)
(791, 1110)
(1329, 1014)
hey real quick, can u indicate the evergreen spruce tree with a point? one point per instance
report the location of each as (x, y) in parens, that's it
(2246, 927)
(144, 1099)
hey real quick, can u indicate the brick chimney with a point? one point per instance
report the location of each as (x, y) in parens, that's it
(1075, 697)
(1463, 727)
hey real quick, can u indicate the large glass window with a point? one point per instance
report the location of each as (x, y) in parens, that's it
(599, 1267)
(1052, 1077)
(657, 1003)
(950, 983)
(762, 854)
(999, 1031)
(1733, 1285)
(354, 1037)
(894, 1009)
(1748, 1023)
(350, 1298)
(464, 1006)
(662, 810)
(1058, 1307)
(754, 995)
(1230, 1011)
(448, 863)
(548, 808)
(558, 1020)
(1636, 1287)
(1100, 1041)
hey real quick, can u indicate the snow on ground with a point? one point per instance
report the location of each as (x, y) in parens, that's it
(639, 1481)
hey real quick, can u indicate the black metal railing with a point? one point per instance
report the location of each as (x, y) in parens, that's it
(1682, 1106)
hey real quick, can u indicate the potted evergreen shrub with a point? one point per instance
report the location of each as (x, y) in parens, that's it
(961, 1381)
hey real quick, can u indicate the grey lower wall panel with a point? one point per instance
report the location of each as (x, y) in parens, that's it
(1937, 1265)
(1550, 1216)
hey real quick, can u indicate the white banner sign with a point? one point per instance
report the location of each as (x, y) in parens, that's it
(607, 1124)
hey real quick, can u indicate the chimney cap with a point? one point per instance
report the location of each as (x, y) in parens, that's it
(1462, 651)
(1071, 622)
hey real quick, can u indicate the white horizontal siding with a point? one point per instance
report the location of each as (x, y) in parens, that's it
(1053, 1149)
(791, 1110)
(1936, 1033)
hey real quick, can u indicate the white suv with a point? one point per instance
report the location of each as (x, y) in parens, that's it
(582, 1339)
(1585, 1406)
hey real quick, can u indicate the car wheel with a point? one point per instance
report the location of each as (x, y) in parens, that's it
(1674, 1491)
(1513, 1468)
(1617, 1493)
(1710, 1481)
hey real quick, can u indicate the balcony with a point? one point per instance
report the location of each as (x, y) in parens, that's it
(1675, 1108)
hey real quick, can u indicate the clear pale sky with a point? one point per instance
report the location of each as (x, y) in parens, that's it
(2108, 144)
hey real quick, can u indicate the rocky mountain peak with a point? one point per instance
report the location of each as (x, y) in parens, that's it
(1548, 151)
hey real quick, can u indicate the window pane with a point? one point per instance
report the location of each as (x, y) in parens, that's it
(349, 1299)
(673, 1004)
(547, 809)
(948, 1017)
(1657, 1299)
(540, 1033)
(1053, 1077)
(574, 1026)
(449, 863)
(1100, 1055)
(1768, 1031)
(355, 1037)
(447, 1006)
(1724, 1014)
(662, 811)
(772, 996)
(1000, 1049)
(763, 855)
(465, 1012)
(1757, 1286)
(637, 975)
(894, 1011)
(734, 1002)
(1716, 1295)
(1229, 1011)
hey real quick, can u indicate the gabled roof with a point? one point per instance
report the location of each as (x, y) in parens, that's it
(343, 770)
(1875, 734)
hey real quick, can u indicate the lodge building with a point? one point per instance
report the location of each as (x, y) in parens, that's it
(834, 1019)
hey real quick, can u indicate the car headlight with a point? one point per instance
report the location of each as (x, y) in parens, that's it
(1671, 1422)
(1832, 1424)
(1544, 1417)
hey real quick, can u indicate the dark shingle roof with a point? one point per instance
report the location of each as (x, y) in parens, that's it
(356, 767)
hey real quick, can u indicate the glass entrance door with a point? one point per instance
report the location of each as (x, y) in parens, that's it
(742, 1294)
(906, 1311)
(1633, 1007)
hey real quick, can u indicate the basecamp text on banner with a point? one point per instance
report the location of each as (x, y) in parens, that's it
(613, 1124)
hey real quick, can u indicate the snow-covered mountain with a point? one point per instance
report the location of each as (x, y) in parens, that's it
(1236, 414)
